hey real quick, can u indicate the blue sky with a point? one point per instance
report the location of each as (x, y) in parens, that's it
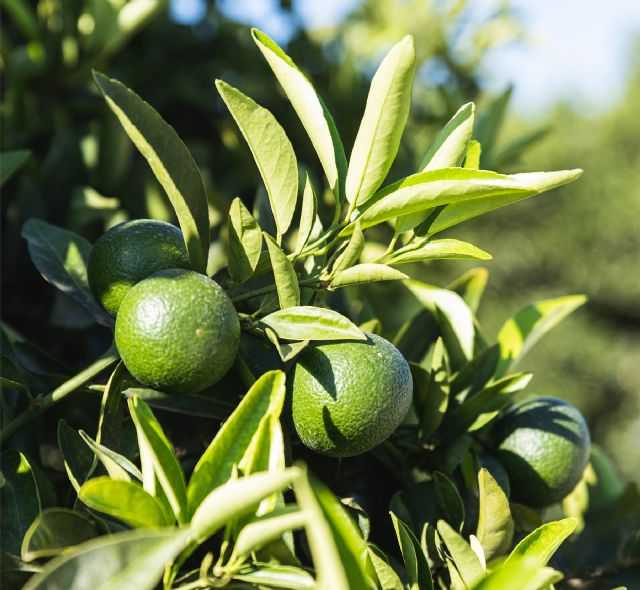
(578, 50)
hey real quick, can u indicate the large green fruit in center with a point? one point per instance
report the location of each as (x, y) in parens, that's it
(349, 396)
(544, 445)
(177, 331)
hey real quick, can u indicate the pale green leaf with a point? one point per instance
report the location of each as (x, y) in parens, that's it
(474, 151)
(278, 576)
(367, 272)
(284, 275)
(470, 286)
(351, 254)
(245, 242)
(54, 530)
(272, 152)
(117, 466)
(426, 190)
(133, 560)
(522, 331)
(124, 500)
(312, 112)
(382, 124)
(234, 437)
(387, 576)
(259, 533)
(166, 466)
(439, 250)
(495, 524)
(169, 160)
(465, 560)
(312, 323)
(453, 316)
(77, 458)
(542, 543)
(523, 574)
(236, 498)
(307, 215)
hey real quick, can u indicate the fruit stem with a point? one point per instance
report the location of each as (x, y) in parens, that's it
(271, 288)
(42, 404)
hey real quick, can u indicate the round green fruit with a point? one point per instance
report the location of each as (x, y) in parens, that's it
(348, 396)
(128, 253)
(544, 446)
(177, 331)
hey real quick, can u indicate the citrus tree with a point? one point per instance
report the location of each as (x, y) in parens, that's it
(259, 426)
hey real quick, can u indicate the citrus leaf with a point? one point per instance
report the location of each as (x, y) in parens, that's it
(385, 116)
(535, 183)
(312, 112)
(446, 151)
(77, 458)
(542, 543)
(350, 255)
(54, 530)
(521, 332)
(495, 524)
(272, 152)
(284, 275)
(367, 272)
(166, 466)
(312, 323)
(245, 242)
(470, 286)
(189, 404)
(440, 250)
(307, 215)
(491, 120)
(61, 258)
(387, 576)
(448, 500)
(133, 560)
(259, 533)
(235, 498)
(474, 152)
(19, 499)
(117, 466)
(169, 160)
(333, 571)
(524, 574)
(426, 190)
(234, 437)
(11, 162)
(125, 501)
(278, 576)
(465, 560)
(454, 318)
(414, 558)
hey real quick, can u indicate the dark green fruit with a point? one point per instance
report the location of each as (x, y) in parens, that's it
(349, 396)
(128, 253)
(177, 331)
(544, 445)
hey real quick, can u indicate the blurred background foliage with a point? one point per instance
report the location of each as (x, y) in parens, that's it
(84, 173)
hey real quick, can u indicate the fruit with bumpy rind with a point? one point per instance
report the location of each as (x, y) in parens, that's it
(347, 397)
(544, 445)
(128, 253)
(177, 331)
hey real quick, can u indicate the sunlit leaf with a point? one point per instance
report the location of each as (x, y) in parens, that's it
(284, 275)
(245, 242)
(367, 272)
(495, 524)
(312, 323)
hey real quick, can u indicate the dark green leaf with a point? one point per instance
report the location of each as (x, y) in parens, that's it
(11, 162)
(78, 459)
(61, 258)
(117, 466)
(19, 499)
(169, 160)
(448, 500)
(271, 150)
(54, 530)
(414, 558)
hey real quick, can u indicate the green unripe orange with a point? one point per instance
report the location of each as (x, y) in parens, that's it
(544, 446)
(349, 396)
(128, 253)
(177, 331)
